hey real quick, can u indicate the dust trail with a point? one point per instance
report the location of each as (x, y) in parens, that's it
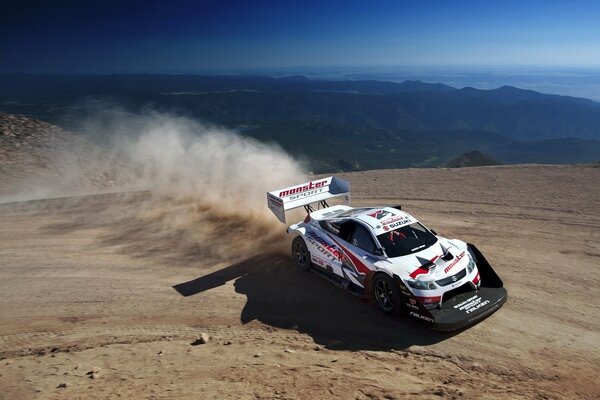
(206, 189)
(187, 192)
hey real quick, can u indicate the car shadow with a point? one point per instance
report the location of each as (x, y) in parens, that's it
(280, 295)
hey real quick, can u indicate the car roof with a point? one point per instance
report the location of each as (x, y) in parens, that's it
(379, 219)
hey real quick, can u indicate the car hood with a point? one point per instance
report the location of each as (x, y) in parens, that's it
(430, 263)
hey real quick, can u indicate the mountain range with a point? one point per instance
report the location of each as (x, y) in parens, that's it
(335, 125)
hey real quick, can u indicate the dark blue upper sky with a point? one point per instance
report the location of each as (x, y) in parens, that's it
(229, 36)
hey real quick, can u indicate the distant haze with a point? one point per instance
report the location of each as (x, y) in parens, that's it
(576, 82)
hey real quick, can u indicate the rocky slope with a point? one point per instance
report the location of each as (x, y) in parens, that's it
(37, 157)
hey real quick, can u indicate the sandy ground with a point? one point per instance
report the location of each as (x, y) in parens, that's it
(97, 304)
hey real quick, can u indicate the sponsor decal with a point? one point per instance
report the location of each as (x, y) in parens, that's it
(409, 305)
(420, 316)
(400, 218)
(300, 189)
(318, 261)
(471, 304)
(398, 224)
(417, 248)
(454, 262)
(305, 194)
(327, 249)
(275, 200)
(379, 214)
(485, 313)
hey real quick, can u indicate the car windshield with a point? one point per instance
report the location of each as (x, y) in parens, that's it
(406, 240)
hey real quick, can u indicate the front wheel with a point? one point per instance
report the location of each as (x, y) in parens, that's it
(300, 253)
(387, 294)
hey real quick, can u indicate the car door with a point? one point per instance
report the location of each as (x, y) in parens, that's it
(358, 246)
(323, 248)
(363, 243)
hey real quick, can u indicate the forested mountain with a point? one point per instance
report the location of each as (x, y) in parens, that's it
(335, 124)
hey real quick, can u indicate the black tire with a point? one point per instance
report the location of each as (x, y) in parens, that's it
(387, 294)
(300, 253)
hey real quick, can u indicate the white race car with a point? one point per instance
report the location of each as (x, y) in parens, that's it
(387, 254)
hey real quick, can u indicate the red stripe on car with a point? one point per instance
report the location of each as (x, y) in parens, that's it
(422, 270)
(418, 271)
(358, 264)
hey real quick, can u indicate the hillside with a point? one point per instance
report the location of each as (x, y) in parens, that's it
(472, 159)
(42, 159)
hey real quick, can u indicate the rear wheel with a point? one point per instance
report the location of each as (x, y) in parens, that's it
(387, 294)
(300, 253)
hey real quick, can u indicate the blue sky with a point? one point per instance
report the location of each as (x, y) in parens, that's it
(212, 36)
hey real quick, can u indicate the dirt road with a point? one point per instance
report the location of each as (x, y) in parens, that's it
(101, 299)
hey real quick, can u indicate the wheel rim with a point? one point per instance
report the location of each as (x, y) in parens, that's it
(384, 295)
(300, 254)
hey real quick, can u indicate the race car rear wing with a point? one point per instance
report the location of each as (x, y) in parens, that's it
(317, 191)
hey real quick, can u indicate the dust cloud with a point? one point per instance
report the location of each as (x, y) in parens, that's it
(188, 191)
(206, 185)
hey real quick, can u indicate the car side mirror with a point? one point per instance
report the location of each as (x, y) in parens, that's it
(434, 232)
(378, 252)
